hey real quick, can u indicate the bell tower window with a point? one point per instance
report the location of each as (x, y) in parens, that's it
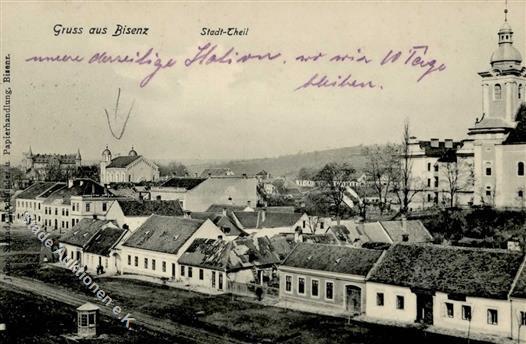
(497, 92)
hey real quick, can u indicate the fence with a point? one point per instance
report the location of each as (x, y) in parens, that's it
(249, 289)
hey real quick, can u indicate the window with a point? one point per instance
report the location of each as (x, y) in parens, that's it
(520, 194)
(523, 318)
(436, 167)
(189, 272)
(201, 274)
(129, 260)
(213, 279)
(329, 290)
(146, 263)
(520, 168)
(429, 182)
(136, 261)
(379, 299)
(493, 317)
(38, 206)
(83, 320)
(91, 319)
(488, 171)
(104, 206)
(436, 182)
(153, 264)
(164, 266)
(450, 310)
(520, 92)
(304, 223)
(322, 225)
(88, 207)
(466, 312)
(429, 166)
(63, 213)
(182, 270)
(497, 92)
(67, 212)
(399, 302)
(488, 192)
(301, 285)
(56, 211)
(288, 283)
(314, 290)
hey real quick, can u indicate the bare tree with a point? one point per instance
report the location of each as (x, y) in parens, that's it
(406, 186)
(381, 169)
(458, 177)
(334, 179)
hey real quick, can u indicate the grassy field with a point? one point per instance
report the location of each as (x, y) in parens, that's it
(238, 318)
(34, 319)
(24, 249)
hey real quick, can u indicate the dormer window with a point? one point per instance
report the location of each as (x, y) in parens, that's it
(497, 92)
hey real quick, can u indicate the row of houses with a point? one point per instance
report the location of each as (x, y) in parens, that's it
(451, 288)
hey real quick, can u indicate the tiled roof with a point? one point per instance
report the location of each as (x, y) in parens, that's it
(218, 208)
(34, 190)
(222, 221)
(184, 183)
(415, 230)
(163, 233)
(319, 239)
(122, 161)
(331, 258)
(82, 233)
(256, 220)
(455, 270)
(147, 207)
(105, 240)
(234, 255)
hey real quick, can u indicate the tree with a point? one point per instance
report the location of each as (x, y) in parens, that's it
(333, 179)
(381, 169)
(406, 187)
(306, 173)
(458, 177)
(173, 168)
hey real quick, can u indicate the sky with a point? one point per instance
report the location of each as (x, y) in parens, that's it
(256, 108)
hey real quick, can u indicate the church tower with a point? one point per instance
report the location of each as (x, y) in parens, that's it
(503, 88)
(105, 161)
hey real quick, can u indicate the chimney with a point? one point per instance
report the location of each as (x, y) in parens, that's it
(187, 214)
(231, 200)
(248, 204)
(224, 211)
(434, 143)
(125, 226)
(263, 214)
(244, 176)
(70, 183)
(448, 143)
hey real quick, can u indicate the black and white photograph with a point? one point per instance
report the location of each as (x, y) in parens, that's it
(294, 172)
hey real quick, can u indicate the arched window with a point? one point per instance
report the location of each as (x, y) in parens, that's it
(520, 168)
(497, 92)
(520, 91)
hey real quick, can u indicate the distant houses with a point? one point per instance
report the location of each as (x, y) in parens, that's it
(197, 194)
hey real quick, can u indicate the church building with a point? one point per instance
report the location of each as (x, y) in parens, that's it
(131, 168)
(499, 136)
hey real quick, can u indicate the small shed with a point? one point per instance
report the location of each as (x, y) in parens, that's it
(87, 320)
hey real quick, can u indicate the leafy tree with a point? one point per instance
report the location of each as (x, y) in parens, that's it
(333, 179)
(173, 168)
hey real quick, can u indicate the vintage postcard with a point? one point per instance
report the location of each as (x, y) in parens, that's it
(263, 172)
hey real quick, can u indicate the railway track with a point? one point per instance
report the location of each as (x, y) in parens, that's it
(186, 333)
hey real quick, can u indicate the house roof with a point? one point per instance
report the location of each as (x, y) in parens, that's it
(218, 208)
(216, 171)
(147, 207)
(519, 289)
(256, 220)
(183, 182)
(80, 187)
(82, 233)
(331, 258)
(234, 255)
(105, 240)
(122, 161)
(163, 233)
(222, 221)
(36, 189)
(455, 270)
(319, 239)
(415, 230)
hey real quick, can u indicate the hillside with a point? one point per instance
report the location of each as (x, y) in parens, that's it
(289, 165)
